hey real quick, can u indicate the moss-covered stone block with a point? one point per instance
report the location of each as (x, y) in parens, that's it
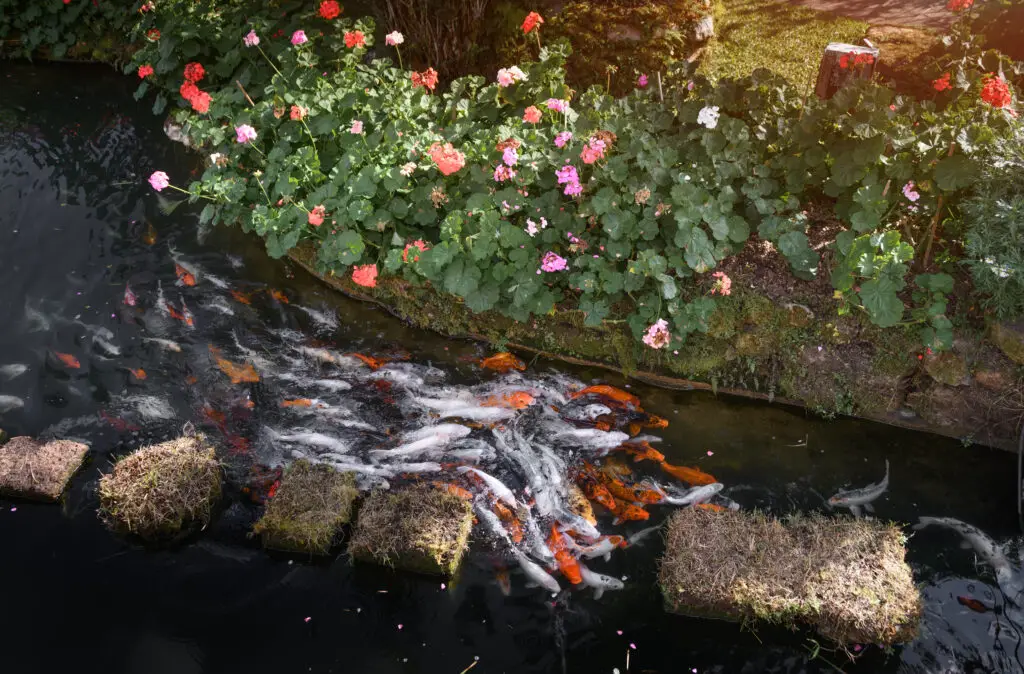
(40, 471)
(946, 368)
(417, 529)
(308, 510)
(847, 578)
(1009, 337)
(164, 491)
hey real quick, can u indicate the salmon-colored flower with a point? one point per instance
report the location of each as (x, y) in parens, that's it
(532, 115)
(995, 91)
(532, 20)
(416, 247)
(194, 72)
(330, 9)
(365, 275)
(355, 38)
(145, 71)
(658, 335)
(959, 5)
(942, 83)
(188, 90)
(201, 102)
(447, 158)
(723, 286)
(297, 113)
(316, 216)
(426, 79)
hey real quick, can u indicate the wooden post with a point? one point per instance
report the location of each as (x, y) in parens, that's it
(832, 75)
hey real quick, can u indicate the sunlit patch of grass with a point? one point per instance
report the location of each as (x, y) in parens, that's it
(782, 37)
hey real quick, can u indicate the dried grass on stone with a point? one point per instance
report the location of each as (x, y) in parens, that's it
(163, 490)
(311, 505)
(33, 470)
(417, 529)
(845, 577)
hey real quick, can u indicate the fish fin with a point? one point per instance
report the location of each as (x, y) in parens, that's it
(607, 556)
(531, 584)
(855, 510)
(598, 592)
(616, 522)
(868, 507)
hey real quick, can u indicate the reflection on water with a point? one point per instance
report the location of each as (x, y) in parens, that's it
(75, 218)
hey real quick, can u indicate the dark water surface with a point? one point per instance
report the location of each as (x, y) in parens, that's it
(74, 206)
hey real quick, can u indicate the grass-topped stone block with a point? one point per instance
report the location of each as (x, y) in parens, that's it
(846, 578)
(164, 491)
(416, 529)
(308, 510)
(37, 470)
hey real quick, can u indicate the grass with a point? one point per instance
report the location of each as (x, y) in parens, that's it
(785, 38)
(312, 504)
(418, 529)
(162, 491)
(32, 470)
(845, 577)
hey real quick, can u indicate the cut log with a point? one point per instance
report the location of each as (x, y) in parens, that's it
(842, 63)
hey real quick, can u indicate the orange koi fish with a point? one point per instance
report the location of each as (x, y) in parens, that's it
(642, 494)
(642, 451)
(567, 564)
(598, 493)
(693, 476)
(972, 604)
(454, 490)
(610, 393)
(617, 469)
(68, 360)
(216, 416)
(616, 487)
(631, 513)
(514, 401)
(511, 522)
(712, 507)
(278, 295)
(237, 444)
(298, 402)
(504, 582)
(503, 363)
(175, 314)
(149, 236)
(239, 296)
(186, 315)
(191, 380)
(371, 362)
(238, 374)
(185, 277)
(139, 374)
(118, 423)
(654, 421)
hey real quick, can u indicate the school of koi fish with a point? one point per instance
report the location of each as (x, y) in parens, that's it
(521, 449)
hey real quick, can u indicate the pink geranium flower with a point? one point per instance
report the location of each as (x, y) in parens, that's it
(251, 39)
(658, 335)
(563, 138)
(723, 286)
(159, 180)
(447, 158)
(299, 37)
(245, 133)
(532, 115)
(553, 262)
(316, 216)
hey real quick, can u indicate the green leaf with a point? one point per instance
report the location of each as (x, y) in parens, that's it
(955, 173)
(461, 278)
(881, 302)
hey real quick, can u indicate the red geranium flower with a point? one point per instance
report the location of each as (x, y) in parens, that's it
(416, 247)
(426, 79)
(365, 275)
(532, 20)
(201, 102)
(942, 83)
(153, 34)
(194, 72)
(355, 38)
(996, 92)
(316, 216)
(329, 9)
(145, 71)
(959, 5)
(188, 90)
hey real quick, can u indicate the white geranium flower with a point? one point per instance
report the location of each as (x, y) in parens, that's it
(708, 117)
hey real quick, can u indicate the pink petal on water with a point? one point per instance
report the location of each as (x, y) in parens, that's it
(399, 625)
(633, 646)
(443, 586)
(619, 632)
(308, 618)
(857, 647)
(14, 509)
(710, 453)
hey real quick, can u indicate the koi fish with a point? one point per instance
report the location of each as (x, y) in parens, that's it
(454, 490)
(13, 370)
(512, 525)
(638, 537)
(985, 547)
(241, 297)
(712, 507)
(631, 513)
(642, 451)
(516, 401)
(68, 360)
(503, 363)
(535, 573)
(600, 582)
(298, 402)
(495, 485)
(185, 277)
(371, 362)
(177, 315)
(238, 374)
(592, 438)
(855, 499)
(8, 403)
(119, 424)
(164, 343)
(603, 548)
(139, 374)
(216, 416)
(972, 604)
(482, 414)
(149, 236)
(311, 439)
(610, 393)
(591, 412)
(567, 564)
(278, 295)
(504, 582)
(129, 297)
(694, 495)
(599, 494)
(693, 476)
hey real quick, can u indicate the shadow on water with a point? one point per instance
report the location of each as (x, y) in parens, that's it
(75, 215)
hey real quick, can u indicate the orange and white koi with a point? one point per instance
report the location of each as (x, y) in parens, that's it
(609, 393)
(502, 363)
(631, 512)
(567, 564)
(185, 277)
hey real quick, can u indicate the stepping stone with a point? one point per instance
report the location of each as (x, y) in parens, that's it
(847, 578)
(308, 509)
(39, 471)
(419, 529)
(162, 492)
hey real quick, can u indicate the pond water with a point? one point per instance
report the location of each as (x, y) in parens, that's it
(78, 222)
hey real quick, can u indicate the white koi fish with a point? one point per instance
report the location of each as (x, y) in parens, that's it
(13, 370)
(691, 496)
(503, 493)
(535, 573)
(855, 499)
(593, 438)
(164, 343)
(8, 403)
(327, 320)
(599, 581)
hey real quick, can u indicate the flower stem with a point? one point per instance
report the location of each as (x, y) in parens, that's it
(399, 52)
(537, 34)
(269, 61)
(311, 139)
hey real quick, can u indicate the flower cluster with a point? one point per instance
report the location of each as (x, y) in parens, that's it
(316, 216)
(299, 37)
(244, 134)
(942, 84)
(855, 59)
(995, 91)
(145, 71)
(568, 176)
(416, 247)
(509, 76)
(959, 5)
(531, 226)
(355, 38)
(532, 21)
(365, 275)
(557, 104)
(723, 284)
(394, 38)
(159, 180)
(562, 138)
(447, 158)
(330, 9)
(198, 99)
(593, 150)
(251, 39)
(532, 115)
(553, 262)
(910, 193)
(503, 173)
(658, 335)
(426, 79)
(708, 116)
